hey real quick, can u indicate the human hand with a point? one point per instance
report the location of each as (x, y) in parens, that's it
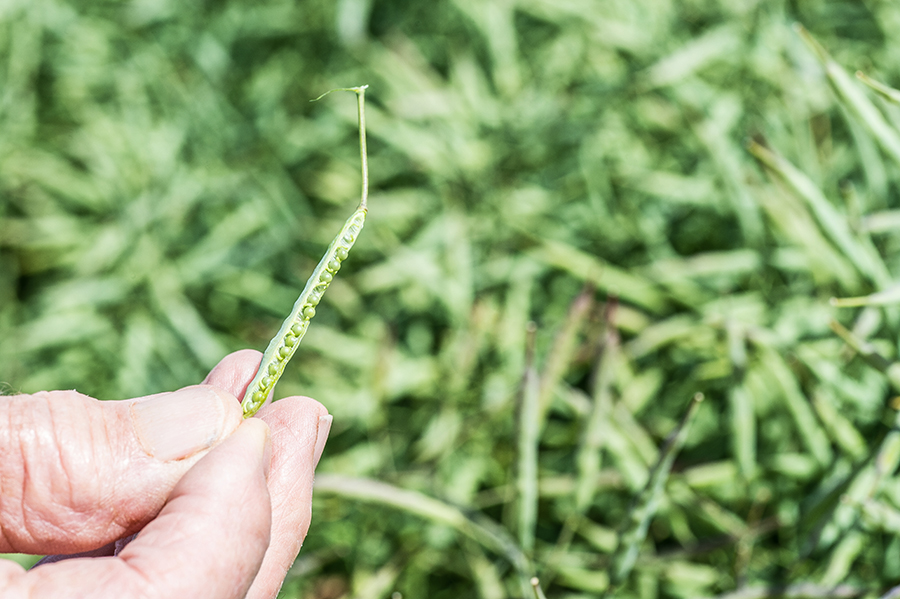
(221, 505)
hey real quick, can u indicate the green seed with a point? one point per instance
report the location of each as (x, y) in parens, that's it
(341, 254)
(326, 277)
(308, 312)
(334, 266)
(297, 330)
(290, 340)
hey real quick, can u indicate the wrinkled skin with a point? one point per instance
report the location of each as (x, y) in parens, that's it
(223, 520)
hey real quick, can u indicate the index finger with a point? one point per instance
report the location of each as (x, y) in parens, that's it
(208, 541)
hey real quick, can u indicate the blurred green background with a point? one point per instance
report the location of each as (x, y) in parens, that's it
(583, 165)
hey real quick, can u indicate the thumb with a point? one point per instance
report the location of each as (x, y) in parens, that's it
(78, 473)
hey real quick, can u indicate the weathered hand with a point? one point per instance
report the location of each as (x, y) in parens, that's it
(220, 505)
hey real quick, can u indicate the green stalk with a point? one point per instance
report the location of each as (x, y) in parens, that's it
(284, 344)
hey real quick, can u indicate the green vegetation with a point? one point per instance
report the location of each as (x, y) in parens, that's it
(671, 192)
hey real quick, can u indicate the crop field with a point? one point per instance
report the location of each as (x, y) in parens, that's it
(624, 316)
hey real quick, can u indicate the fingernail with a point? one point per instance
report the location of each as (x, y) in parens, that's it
(174, 426)
(266, 433)
(321, 437)
(267, 452)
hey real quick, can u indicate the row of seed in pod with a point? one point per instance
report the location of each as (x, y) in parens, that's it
(323, 275)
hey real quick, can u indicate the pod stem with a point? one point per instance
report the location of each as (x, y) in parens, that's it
(360, 92)
(363, 154)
